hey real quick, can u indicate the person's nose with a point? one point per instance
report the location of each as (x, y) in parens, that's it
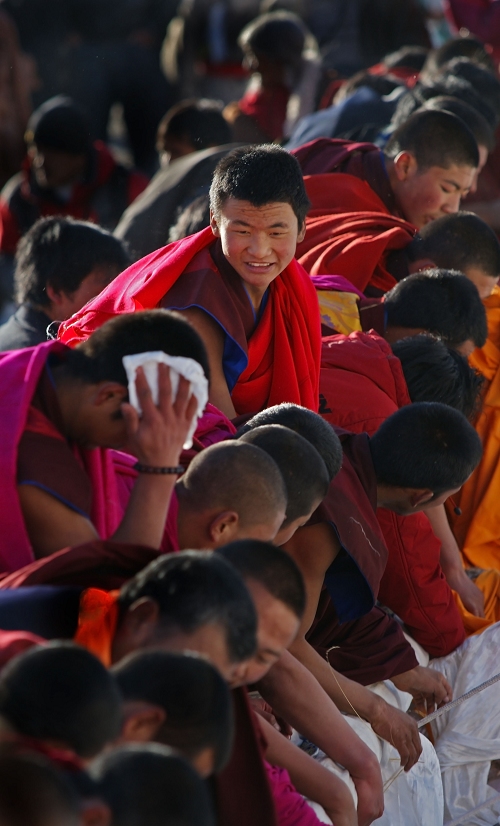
(259, 245)
(452, 203)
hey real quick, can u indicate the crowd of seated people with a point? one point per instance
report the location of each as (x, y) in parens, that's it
(249, 422)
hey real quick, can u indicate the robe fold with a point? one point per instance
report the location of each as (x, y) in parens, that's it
(477, 530)
(362, 384)
(351, 232)
(279, 362)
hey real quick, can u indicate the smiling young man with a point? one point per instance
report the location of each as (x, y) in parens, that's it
(238, 284)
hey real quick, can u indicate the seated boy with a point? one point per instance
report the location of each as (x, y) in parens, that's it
(60, 265)
(238, 284)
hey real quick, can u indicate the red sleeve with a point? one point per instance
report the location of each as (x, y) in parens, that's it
(137, 183)
(481, 17)
(9, 230)
(413, 584)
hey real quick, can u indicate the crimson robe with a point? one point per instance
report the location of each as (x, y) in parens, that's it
(361, 384)
(280, 360)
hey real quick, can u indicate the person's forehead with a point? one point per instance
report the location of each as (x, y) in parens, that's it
(235, 210)
(454, 174)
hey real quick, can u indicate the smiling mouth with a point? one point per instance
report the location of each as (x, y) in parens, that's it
(255, 266)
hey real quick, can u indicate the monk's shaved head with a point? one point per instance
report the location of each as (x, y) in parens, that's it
(435, 139)
(232, 476)
(303, 470)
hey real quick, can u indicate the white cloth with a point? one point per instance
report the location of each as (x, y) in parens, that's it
(179, 366)
(468, 737)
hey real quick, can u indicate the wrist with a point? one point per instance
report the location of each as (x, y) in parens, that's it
(376, 710)
(158, 470)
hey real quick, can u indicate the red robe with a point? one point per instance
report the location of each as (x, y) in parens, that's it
(361, 384)
(282, 355)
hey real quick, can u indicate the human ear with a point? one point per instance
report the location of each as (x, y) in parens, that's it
(214, 225)
(142, 726)
(140, 622)
(224, 528)
(55, 297)
(420, 497)
(405, 166)
(302, 233)
(110, 392)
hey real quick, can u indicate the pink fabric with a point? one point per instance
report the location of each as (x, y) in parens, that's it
(335, 282)
(291, 808)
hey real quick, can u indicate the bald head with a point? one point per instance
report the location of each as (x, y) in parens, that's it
(234, 477)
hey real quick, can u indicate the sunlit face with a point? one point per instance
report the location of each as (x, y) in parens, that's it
(209, 641)
(277, 628)
(426, 195)
(259, 242)
(68, 303)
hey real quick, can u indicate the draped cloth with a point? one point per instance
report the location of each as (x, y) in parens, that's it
(283, 352)
(477, 530)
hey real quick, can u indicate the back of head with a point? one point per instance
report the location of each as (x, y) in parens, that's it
(195, 588)
(458, 242)
(62, 252)
(436, 373)
(441, 302)
(193, 694)
(434, 139)
(150, 784)
(261, 175)
(448, 86)
(63, 694)
(407, 57)
(33, 793)
(307, 424)
(232, 476)
(470, 47)
(99, 358)
(425, 446)
(59, 124)
(477, 124)
(198, 122)
(279, 36)
(302, 468)
(483, 81)
(273, 568)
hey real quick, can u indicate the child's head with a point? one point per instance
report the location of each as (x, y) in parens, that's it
(179, 700)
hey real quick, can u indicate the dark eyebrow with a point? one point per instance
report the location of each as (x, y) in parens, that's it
(278, 225)
(453, 183)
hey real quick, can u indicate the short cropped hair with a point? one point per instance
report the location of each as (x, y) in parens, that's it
(442, 302)
(272, 568)
(279, 35)
(34, 793)
(194, 696)
(482, 80)
(200, 122)
(61, 252)
(301, 466)
(434, 139)
(469, 46)
(425, 445)
(476, 122)
(193, 589)
(436, 373)
(150, 784)
(448, 86)
(307, 424)
(99, 358)
(457, 242)
(261, 175)
(61, 692)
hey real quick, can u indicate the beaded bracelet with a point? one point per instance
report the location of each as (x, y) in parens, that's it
(178, 469)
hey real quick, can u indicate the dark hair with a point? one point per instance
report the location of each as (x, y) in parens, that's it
(60, 124)
(309, 425)
(436, 373)
(442, 302)
(99, 358)
(233, 476)
(193, 218)
(279, 35)
(199, 122)
(476, 122)
(407, 57)
(150, 784)
(272, 568)
(62, 252)
(196, 700)
(425, 445)
(195, 588)
(484, 82)
(435, 139)
(261, 175)
(34, 793)
(61, 692)
(447, 86)
(457, 242)
(302, 468)
(469, 46)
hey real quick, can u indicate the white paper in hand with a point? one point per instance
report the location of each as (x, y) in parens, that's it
(179, 366)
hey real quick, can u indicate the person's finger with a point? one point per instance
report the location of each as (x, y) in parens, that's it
(144, 393)
(191, 408)
(183, 396)
(164, 389)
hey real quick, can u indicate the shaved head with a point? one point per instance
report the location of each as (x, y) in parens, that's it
(232, 476)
